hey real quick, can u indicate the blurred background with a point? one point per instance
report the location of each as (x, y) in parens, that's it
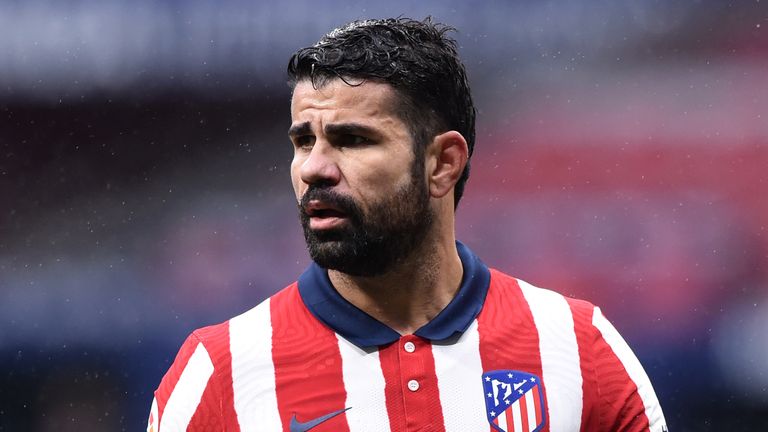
(622, 158)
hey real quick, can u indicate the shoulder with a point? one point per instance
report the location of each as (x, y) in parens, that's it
(569, 323)
(197, 390)
(215, 339)
(577, 341)
(254, 319)
(551, 301)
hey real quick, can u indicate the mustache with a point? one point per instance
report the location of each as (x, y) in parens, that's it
(344, 203)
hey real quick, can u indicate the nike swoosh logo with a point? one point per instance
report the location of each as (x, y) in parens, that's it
(297, 426)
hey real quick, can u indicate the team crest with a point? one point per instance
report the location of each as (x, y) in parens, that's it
(514, 401)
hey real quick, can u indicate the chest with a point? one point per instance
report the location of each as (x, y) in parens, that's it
(409, 385)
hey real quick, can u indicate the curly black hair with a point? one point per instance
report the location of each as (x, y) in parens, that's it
(416, 58)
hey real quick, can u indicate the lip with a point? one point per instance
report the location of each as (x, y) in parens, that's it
(323, 215)
(317, 207)
(325, 223)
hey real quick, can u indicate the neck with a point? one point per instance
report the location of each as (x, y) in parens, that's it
(411, 294)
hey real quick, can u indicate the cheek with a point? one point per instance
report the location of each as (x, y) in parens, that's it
(398, 169)
(381, 179)
(298, 185)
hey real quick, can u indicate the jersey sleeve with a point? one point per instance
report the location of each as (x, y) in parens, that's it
(625, 397)
(187, 395)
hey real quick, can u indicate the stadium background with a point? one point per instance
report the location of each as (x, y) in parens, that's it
(622, 157)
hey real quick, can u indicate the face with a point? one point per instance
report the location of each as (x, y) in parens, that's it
(363, 198)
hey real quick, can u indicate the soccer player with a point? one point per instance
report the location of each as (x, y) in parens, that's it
(396, 326)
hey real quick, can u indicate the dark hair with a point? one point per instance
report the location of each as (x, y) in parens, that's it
(416, 58)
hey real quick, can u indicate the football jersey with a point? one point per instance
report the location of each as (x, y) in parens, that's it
(502, 356)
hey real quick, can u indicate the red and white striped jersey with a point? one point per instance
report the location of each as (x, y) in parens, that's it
(502, 356)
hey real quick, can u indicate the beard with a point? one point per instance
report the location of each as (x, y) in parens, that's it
(373, 240)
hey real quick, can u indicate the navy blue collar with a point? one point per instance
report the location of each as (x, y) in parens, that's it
(327, 305)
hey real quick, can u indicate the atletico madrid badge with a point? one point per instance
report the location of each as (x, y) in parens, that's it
(514, 401)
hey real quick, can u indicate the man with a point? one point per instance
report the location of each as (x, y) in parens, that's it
(396, 326)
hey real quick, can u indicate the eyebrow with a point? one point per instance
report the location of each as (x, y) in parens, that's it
(299, 129)
(350, 129)
(333, 129)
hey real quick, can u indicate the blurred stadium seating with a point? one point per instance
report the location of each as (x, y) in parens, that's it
(622, 157)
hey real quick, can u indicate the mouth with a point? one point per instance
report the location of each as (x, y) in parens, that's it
(323, 215)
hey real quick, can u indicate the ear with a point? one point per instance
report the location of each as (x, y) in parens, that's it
(447, 156)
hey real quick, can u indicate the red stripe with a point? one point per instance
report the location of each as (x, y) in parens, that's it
(393, 388)
(207, 416)
(537, 404)
(586, 335)
(411, 410)
(618, 392)
(621, 407)
(524, 413)
(216, 404)
(309, 380)
(508, 335)
(510, 414)
(171, 377)
(618, 403)
(216, 339)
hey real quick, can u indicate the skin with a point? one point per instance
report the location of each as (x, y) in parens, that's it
(349, 137)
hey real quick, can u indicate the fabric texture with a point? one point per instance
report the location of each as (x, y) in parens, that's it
(305, 358)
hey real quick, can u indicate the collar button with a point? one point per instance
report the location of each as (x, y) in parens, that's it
(413, 385)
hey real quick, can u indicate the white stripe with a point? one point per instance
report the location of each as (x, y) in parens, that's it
(531, 408)
(459, 379)
(517, 420)
(503, 420)
(364, 383)
(185, 397)
(634, 370)
(253, 374)
(152, 423)
(559, 357)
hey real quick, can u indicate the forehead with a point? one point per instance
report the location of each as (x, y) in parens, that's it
(337, 100)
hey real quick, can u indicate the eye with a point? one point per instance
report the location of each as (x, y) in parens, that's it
(304, 141)
(349, 140)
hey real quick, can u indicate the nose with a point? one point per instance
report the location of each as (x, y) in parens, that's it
(320, 165)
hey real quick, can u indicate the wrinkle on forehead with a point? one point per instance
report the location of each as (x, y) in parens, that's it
(370, 99)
